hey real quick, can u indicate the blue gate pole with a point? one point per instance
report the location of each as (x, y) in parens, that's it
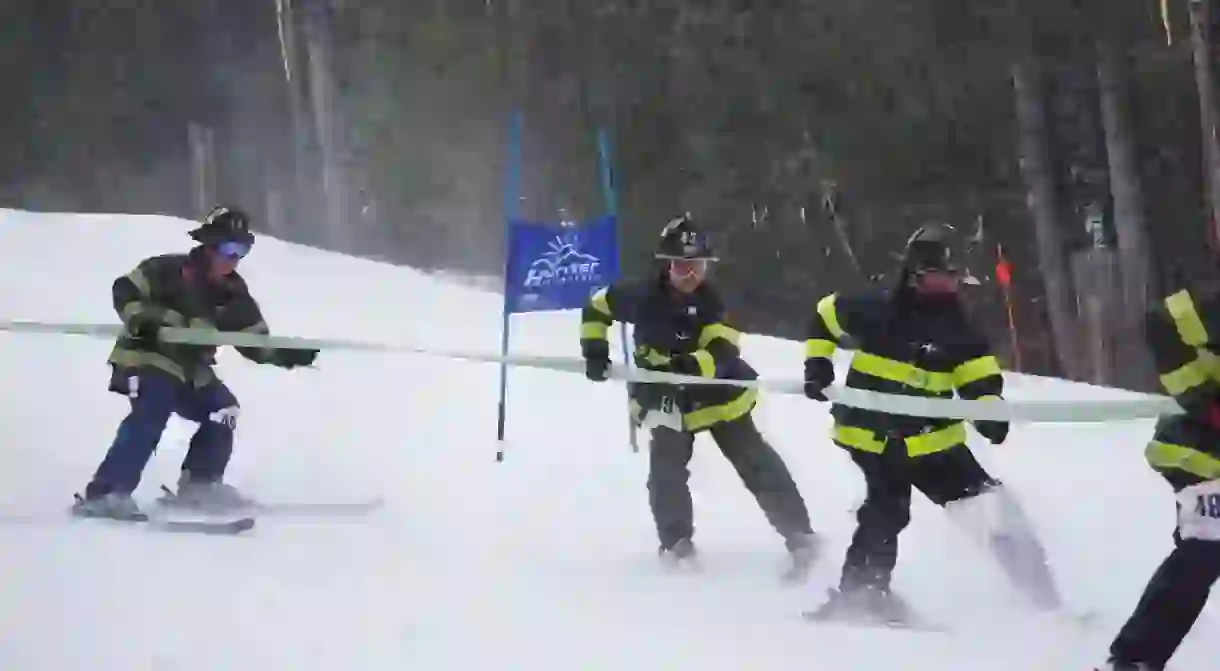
(512, 208)
(611, 196)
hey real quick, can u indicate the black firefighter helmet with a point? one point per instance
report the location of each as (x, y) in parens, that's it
(681, 240)
(224, 224)
(934, 248)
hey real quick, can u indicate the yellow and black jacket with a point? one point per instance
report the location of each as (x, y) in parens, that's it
(1183, 332)
(171, 290)
(903, 346)
(670, 325)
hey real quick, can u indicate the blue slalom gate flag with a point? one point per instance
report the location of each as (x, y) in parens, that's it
(557, 266)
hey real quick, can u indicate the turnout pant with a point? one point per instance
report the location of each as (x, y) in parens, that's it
(1178, 590)
(760, 467)
(155, 396)
(954, 480)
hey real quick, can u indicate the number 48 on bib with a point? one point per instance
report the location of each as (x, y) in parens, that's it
(1199, 511)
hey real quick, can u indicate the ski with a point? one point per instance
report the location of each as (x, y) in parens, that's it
(340, 508)
(281, 509)
(164, 524)
(815, 617)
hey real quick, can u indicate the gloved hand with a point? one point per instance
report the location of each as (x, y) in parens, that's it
(684, 364)
(597, 369)
(994, 431)
(146, 326)
(291, 358)
(819, 374)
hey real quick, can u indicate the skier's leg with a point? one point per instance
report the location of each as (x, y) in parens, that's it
(1177, 592)
(767, 477)
(153, 395)
(985, 509)
(201, 482)
(886, 511)
(668, 487)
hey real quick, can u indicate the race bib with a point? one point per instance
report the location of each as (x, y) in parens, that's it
(1199, 511)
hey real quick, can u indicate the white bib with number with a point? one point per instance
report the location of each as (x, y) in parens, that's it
(1199, 511)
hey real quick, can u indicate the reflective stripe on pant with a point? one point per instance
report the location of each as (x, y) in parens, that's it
(944, 476)
(759, 466)
(155, 396)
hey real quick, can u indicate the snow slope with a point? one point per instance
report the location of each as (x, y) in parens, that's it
(546, 561)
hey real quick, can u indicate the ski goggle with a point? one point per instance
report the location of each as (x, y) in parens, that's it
(687, 267)
(233, 251)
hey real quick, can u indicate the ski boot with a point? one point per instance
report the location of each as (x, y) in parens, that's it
(681, 553)
(203, 497)
(804, 550)
(113, 505)
(867, 605)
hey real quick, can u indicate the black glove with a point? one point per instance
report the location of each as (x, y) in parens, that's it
(819, 374)
(684, 364)
(996, 432)
(597, 369)
(146, 326)
(291, 358)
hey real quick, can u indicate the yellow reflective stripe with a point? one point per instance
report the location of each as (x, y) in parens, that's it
(713, 331)
(860, 439)
(902, 372)
(130, 358)
(989, 397)
(593, 331)
(975, 370)
(830, 316)
(1179, 381)
(1181, 458)
(937, 441)
(130, 310)
(725, 412)
(651, 356)
(1186, 319)
(599, 302)
(917, 446)
(138, 278)
(819, 348)
(707, 363)
(169, 317)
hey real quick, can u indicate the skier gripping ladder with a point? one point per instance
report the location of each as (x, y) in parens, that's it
(680, 328)
(201, 289)
(916, 339)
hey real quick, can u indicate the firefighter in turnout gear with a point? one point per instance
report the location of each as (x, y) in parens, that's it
(201, 289)
(1183, 333)
(680, 327)
(915, 339)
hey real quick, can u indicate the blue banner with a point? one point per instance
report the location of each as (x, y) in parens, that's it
(553, 266)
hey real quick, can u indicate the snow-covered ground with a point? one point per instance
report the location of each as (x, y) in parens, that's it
(545, 561)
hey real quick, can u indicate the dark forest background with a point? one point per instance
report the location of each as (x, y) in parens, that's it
(811, 137)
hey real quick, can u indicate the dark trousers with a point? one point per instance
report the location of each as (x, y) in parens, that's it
(155, 396)
(760, 467)
(943, 477)
(1170, 604)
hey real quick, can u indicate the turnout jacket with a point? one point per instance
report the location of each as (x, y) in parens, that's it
(669, 326)
(1183, 333)
(172, 290)
(903, 346)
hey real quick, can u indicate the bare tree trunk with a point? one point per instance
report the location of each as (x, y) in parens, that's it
(318, 35)
(1200, 17)
(1036, 168)
(1129, 224)
(203, 167)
